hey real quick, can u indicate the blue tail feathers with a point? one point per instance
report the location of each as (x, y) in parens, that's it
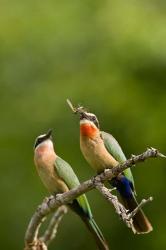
(123, 185)
(126, 190)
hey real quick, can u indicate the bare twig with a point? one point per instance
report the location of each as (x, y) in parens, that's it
(142, 203)
(119, 208)
(51, 231)
(32, 241)
(31, 236)
(36, 245)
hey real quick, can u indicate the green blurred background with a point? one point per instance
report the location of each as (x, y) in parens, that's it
(107, 55)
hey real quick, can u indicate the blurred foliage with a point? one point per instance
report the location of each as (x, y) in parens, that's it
(107, 55)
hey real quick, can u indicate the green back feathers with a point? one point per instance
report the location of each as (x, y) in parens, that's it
(115, 150)
(66, 172)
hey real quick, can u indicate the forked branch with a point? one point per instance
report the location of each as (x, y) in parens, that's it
(34, 242)
(124, 214)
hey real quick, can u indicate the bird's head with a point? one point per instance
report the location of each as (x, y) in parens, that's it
(89, 124)
(44, 140)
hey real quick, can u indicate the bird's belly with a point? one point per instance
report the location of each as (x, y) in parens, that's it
(48, 180)
(96, 163)
(51, 180)
(97, 156)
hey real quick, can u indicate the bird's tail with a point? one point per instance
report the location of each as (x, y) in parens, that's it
(91, 226)
(95, 231)
(140, 221)
(126, 191)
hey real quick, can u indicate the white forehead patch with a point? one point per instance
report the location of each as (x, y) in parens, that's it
(41, 136)
(90, 114)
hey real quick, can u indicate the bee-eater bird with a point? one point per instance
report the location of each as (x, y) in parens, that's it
(101, 151)
(58, 177)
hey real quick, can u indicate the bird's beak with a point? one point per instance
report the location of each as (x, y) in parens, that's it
(49, 133)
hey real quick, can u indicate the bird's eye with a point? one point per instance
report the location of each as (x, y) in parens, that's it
(93, 118)
(39, 140)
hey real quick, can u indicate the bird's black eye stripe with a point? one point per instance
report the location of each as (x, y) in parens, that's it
(93, 118)
(38, 141)
(95, 121)
(42, 138)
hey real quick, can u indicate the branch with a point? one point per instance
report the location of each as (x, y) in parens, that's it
(48, 206)
(142, 203)
(119, 208)
(51, 231)
(33, 243)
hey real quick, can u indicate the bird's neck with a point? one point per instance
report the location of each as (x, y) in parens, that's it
(44, 157)
(44, 148)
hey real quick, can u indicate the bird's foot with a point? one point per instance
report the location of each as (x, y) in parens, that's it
(48, 199)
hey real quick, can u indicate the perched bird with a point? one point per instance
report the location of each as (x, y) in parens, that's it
(101, 151)
(58, 177)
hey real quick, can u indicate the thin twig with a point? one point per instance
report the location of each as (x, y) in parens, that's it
(119, 208)
(142, 203)
(51, 231)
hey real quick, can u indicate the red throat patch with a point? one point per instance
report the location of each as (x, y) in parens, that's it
(88, 130)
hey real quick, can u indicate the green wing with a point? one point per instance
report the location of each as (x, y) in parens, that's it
(115, 150)
(66, 172)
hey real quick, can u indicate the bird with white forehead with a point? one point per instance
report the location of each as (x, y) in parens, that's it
(102, 151)
(58, 177)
